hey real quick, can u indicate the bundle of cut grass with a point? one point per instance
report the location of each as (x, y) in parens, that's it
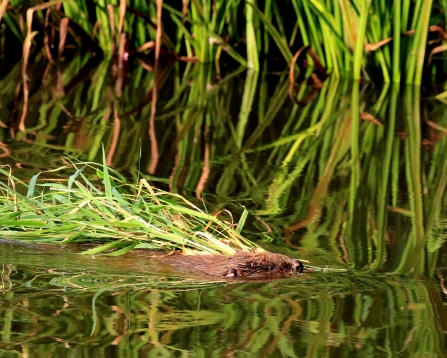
(116, 215)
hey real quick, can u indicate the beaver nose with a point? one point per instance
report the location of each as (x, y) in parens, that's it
(299, 267)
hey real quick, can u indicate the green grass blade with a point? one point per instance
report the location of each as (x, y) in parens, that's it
(32, 185)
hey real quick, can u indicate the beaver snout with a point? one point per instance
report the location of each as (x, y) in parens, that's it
(299, 267)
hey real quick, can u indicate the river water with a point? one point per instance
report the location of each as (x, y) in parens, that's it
(352, 177)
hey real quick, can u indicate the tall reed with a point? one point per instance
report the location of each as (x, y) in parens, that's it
(383, 41)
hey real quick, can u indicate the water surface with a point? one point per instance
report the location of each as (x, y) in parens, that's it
(354, 179)
(55, 302)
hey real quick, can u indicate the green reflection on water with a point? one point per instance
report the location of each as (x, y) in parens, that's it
(356, 179)
(51, 307)
(360, 174)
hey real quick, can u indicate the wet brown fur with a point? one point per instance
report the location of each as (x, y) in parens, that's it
(240, 264)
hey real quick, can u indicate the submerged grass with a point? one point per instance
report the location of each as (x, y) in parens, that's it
(117, 216)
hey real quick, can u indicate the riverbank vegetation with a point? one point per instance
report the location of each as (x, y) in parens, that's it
(391, 41)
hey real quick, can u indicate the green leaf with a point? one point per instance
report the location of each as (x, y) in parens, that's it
(280, 41)
(32, 186)
(123, 251)
(102, 248)
(106, 180)
(242, 220)
(27, 223)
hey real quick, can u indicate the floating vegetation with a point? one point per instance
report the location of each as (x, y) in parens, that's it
(116, 215)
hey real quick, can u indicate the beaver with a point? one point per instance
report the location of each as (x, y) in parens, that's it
(238, 265)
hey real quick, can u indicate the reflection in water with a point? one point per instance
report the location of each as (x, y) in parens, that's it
(355, 178)
(67, 312)
(359, 174)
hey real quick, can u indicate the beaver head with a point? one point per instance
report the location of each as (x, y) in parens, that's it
(298, 266)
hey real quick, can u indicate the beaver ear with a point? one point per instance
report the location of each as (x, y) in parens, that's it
(299, 267)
